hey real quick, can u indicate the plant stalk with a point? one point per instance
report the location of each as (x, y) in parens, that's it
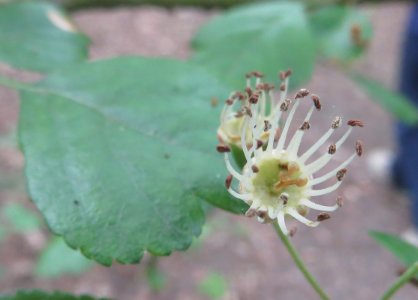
(300, 263)
(404, 278)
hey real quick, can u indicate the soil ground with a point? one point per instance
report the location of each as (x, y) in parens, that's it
(346, 261)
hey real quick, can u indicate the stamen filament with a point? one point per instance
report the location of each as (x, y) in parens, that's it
(286, 127)
(281, 222)
(333, 172)
(297, 137)
(294, 213)
(316, 146)
(316, 206)
(327, 190)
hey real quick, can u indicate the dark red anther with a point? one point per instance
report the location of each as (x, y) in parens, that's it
(288, 72)
(229, 101)
(359, 148)
(221, 148)
(282, 87)
(323, 216)
(302, 93)
(305, 126)
(248, 111)
(253, 99)
(316, 102)
(228, 181)
(355, 123)
(332, 149)
(341, 173)
(255, 168)
(259, 143)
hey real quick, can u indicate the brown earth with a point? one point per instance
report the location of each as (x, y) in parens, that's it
(346, 261)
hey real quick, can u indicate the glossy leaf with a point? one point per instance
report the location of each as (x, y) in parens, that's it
(38, 36)
(116, 150)
(58, 259)
(342, 33)
(394, 102)
(265, 37)
(404, 251)
(40, 295)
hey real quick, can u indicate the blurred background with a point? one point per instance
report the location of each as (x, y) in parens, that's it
(235, 257)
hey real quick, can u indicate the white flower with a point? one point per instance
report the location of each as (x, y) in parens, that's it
(276, 181)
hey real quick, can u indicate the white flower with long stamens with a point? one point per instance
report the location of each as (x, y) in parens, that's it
(276, 181)
(233, 122)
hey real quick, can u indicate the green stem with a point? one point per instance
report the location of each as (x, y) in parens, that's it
(406, 276)
(299, 262)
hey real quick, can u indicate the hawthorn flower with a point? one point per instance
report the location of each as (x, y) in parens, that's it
(276, 180)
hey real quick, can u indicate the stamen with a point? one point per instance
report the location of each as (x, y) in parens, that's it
(250, 212)
(229, 102)
(228, 181)
(267, 125)
(284, 197)
(341, 173)
(324, 159)
(302, 93)
(281, 222)
(294, 213)
(337, 122)
(355, 123)
(283, 135)
(316, 102)
(243, 140)
(243, 197)
(255, 168)
(282, 87)
(359, 148)
(332, 149)
(259, 143)
(221, 148)
(305, 126)
(316, 146)
(331, 173)
(327, 190)
(288, 73)
(297, 137)
(316, 206)
(231, 169)
(322, 217)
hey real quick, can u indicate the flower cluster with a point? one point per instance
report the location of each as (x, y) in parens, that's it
(276, 181)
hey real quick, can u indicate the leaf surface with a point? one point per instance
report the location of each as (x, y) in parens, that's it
(116, 150)
(266, 37)
(342, 33)
(39, 36)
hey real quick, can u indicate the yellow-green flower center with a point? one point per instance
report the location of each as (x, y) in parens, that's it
(276, 177)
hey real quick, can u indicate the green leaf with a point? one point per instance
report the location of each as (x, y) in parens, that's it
(265, 37)
(21, 218)
(213, 286)
(58, 259)
(39, 36)
(116, 150)
(40, 295)
(394, 102)
(405, 252)
(342, 33)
